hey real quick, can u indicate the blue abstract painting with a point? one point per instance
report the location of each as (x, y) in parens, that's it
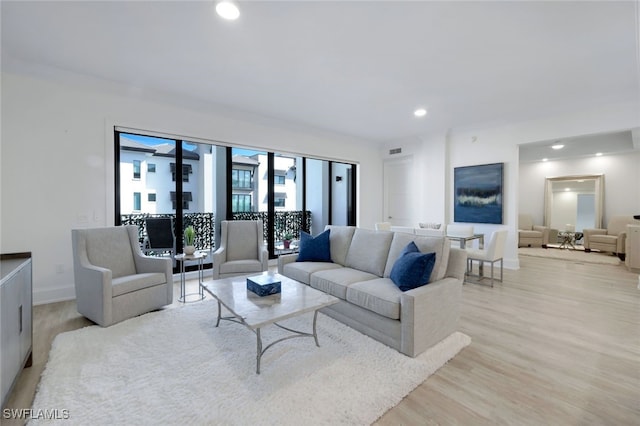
(478, 193)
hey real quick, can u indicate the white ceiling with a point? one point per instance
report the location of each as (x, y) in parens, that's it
(357, 68)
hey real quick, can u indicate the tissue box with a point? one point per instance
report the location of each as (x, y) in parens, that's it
(264, 285)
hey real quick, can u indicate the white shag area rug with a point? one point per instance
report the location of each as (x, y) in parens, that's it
(174, 367)
(579, 256)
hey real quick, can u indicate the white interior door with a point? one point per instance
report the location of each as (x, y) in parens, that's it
(398, 192)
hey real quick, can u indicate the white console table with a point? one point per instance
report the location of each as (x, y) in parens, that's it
(16, 332)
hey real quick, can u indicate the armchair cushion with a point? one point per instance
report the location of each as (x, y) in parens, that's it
(129, 283)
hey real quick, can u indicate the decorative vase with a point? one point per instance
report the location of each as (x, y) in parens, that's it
(189, 249)
(286, 243)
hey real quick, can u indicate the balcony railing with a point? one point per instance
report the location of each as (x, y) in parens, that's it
(286, 222)
(203, 223)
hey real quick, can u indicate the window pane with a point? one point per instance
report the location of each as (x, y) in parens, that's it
(136, 201)
(136, 169)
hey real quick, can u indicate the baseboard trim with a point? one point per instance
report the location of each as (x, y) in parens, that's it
(53, 295)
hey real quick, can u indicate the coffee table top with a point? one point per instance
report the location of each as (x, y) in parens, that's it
(255, 311)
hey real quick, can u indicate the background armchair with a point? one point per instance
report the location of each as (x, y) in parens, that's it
(530, 234)
(612, 239)
(160, 238)
(114, 281)
(242, 249)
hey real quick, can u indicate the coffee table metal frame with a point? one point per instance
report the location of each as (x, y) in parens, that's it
(255, 312)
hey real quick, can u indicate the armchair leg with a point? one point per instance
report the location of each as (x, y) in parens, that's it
(587, 250)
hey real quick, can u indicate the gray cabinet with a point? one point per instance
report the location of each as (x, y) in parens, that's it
(15, 318)
(632, 248)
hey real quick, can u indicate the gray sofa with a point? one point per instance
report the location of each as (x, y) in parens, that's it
(410, 322)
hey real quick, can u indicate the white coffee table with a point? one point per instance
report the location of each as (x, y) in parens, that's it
(255, 312)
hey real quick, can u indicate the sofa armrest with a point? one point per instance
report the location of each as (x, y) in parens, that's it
(429, 314)
(264, 258)
(622, 242)
(284, 259)
(545, 233)
(457, 263)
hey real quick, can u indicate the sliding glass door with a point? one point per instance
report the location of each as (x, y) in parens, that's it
(199, 184)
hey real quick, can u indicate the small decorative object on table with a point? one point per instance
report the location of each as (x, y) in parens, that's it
(287, 240)
(264, 285)
(189, 240)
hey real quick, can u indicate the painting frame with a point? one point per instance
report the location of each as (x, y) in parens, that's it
(478, 193)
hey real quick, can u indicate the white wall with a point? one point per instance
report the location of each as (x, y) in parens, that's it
(621, 182)
(57, 162)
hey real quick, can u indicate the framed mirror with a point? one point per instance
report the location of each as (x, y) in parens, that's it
(574, 203)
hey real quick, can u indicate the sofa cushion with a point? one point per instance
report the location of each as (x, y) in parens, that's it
(412, 269)
(438, 245)
(301, 271)
(340, 240)
(336, 281)
(314, 249)
(129, 283)
(369, 250)
(379, 295)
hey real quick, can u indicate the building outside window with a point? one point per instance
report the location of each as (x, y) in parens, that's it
(279, 179)
(151, 197)
(241, 179)
(136, 169)
(151, 168)
(241, 202)
(186, 171)
(137, 201)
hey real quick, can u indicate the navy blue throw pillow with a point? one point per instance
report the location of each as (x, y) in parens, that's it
(412, 269)
(314, 249)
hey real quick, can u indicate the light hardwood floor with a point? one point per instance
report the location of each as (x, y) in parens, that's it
(557, 343)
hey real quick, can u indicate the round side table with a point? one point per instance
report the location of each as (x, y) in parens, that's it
(183, 258)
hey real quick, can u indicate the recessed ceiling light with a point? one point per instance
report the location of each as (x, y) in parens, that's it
(227, 10)
(567, 189)
(420, 112)
(598, 154)
(545, 159)
(557, 146)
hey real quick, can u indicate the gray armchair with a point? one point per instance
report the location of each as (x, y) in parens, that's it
(114, 281)
(242, 250)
